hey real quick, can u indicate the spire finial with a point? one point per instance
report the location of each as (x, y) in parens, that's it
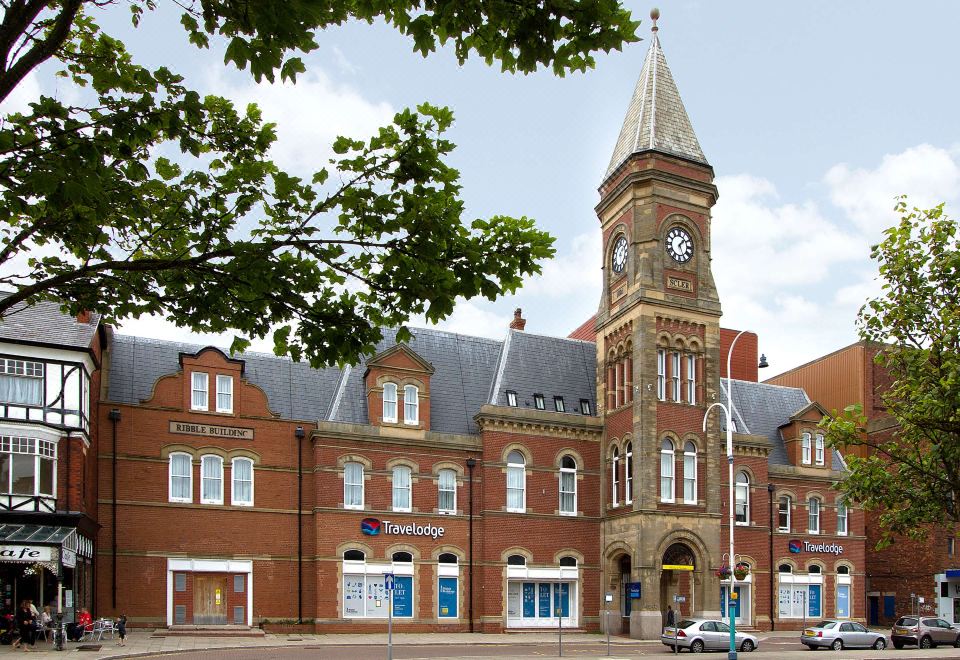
(654, 15)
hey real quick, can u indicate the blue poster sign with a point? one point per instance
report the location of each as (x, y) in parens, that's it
(723, 602)
(843, 601)
(561, 596)
(529, 596)
(633, 589)
(448, 597)
(403, 595)
(814, 607)
(543, 605)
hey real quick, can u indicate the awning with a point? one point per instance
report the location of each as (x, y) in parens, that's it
(35, 534)
(47, 545)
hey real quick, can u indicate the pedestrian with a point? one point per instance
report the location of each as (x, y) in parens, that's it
(122, 630)
(26, 626)
(670, 616)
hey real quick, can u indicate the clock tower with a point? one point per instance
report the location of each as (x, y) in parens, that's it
(658, 344)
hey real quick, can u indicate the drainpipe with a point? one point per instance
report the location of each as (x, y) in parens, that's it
(299, 435)
(114, 417)
(471, 463)
(770, 489)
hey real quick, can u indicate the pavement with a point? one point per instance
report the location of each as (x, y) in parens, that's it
(142, 643)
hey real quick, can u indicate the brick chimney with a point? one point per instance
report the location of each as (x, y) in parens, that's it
(518, 322)
(83, 316)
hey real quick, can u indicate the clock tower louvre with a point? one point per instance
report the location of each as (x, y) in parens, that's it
(658, 344)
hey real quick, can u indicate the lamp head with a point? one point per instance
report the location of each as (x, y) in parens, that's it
(763, 362)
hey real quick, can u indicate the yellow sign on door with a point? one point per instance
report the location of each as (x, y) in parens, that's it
(677, 567)
(218, 596)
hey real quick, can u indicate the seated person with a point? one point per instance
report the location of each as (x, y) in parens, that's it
(84, 624)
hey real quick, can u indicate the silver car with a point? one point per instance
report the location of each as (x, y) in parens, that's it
(837, 635)
(700, 635)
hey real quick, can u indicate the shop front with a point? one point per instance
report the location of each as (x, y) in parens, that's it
(948, 602)
(47, 564)
(542, 597)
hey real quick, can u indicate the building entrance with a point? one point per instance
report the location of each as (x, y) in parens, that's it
(677, 586)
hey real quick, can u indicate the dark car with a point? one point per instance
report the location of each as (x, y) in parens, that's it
(923, 631)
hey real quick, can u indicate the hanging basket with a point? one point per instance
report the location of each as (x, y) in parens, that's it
(723, 572)
(741, 571)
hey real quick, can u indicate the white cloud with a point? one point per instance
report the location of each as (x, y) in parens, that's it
(309, 114)
(927, 174)
(471, 318)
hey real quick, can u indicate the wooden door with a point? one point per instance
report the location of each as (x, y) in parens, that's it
(209, 600)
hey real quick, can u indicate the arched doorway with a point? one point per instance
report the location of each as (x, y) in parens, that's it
(677, 581)
(625, 567)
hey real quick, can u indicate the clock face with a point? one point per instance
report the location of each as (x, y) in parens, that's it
(679, 245)
(619, 254)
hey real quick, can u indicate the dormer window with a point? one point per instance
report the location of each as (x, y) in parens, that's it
(558, 404)
(585, 407)
(224, 394)
(411, 405)
(819, 449)
(538, 401)
(805, 448)
(199, 388)
(21, 381)
(390, 402)
(511, 398)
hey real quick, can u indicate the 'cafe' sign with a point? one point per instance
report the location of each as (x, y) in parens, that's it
(28, 553)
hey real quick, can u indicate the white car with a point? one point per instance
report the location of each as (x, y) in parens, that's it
(838, 635)
(700, 635)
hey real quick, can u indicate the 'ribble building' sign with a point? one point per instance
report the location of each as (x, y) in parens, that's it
(374, 527)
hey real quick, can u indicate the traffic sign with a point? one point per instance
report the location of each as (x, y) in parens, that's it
(388, 581)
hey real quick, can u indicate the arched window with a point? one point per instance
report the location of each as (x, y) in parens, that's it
(662, 374)
(447, 558)
(785, 568)
(354, 555)
(516, 560)
(843, 570)
(411, 405)
(181, 478)
(516, 482)
(743, 499)
(241, 492)
(666, 470)
(390, 402)
(447, 491)
(813, 515)
(401, 488)
(783, 513)
(353, 486)
(819, 448)
(615, 478)
(805, 448)
(692, 379)
(211, 483)
(402, 558)
(814, 569)
(841, 518)
(628, 473)
(689, 473)
(568, 486)
(568, 561)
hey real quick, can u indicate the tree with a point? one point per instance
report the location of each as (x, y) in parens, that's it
(911, 474)
(151, 198)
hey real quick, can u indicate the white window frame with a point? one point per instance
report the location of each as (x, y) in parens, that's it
(585, 407)
(199, 384)
(218, 460)
(667, 477)
(661, 374)
(347, 484)
(675, 376)
(37, 449)
(843, 518)
(628, 473)
(390, 403)
(689, 472)
(805, 448)
(450, 487)
(188, 476)
(819, 449)
(538, 402)
(558, 404)
(789, 513)
(411, 405)
(742, 495)
(28, 370)
(571, 475)
(399, 488)
(224, 390)
(615, 477)
(234, 499)
(692, 380)
(813, 515)
(521, 470)
(511, 398)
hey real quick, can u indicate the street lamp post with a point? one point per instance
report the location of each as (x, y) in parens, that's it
(728, 410)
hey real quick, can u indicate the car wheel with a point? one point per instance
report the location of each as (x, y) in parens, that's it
(956, 643)
(747, 646)
(837, 645)
(697, 646)
(880, 644)
(898, 645)
(926, 643)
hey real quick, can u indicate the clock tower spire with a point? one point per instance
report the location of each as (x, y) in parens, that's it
(658, 341)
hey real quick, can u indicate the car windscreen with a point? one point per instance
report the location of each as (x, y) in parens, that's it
(686, 623)
(906, 621)
(826, 624)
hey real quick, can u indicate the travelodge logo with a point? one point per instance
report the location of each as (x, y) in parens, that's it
(795, 546)
(370, 526)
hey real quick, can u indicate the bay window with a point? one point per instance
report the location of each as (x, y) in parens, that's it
(21, 382)
(28, 466)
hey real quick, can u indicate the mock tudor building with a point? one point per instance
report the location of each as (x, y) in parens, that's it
(509, 484)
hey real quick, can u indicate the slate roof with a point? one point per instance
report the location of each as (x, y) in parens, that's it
(466, 369)
(44, 323)
(761, 409)
(552, 366)
(656, 118)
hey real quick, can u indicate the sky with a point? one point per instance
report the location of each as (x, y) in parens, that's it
(813, 115)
